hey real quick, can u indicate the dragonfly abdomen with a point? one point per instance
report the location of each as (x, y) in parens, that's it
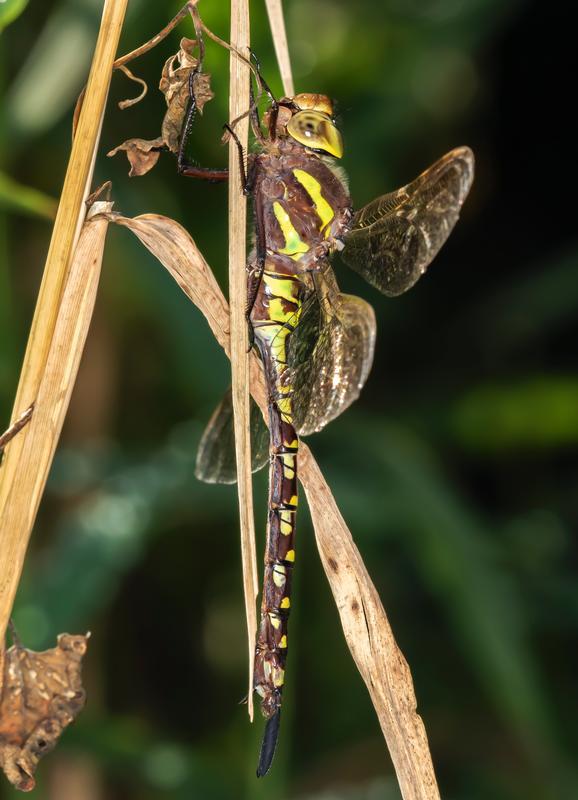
(275, 316)
(305, 207)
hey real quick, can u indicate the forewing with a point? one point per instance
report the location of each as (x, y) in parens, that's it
(216, 454)
(330, 355)
(393, 239)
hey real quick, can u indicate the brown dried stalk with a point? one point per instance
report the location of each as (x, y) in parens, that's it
(58, 328)
(238, 105)
(277, 25)
(363, 617)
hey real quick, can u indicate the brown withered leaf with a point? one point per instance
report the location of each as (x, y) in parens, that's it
(41, 695)
(174, 84)
(143, 154)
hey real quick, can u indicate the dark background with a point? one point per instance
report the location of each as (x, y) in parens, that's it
(456, 470)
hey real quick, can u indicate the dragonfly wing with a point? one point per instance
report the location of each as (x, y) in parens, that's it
(216, 454)
(330, 354)
(393, 239)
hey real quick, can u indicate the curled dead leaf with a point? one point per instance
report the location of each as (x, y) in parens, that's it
(134, 100)
(42, 694)
(143, 154)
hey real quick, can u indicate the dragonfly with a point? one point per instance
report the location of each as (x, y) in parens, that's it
(316, 344)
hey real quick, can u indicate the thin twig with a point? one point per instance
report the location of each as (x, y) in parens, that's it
(239, 103)
(144, 48)
(16, 426)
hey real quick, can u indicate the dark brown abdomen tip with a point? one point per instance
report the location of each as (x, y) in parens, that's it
(269, 744)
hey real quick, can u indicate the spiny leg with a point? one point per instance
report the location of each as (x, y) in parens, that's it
(274, 110)
(244, 182)
(260, 247)
(186, 167)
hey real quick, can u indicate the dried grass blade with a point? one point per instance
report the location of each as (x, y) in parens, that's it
(363, 617)
(40, 437)
(279, 34)
(238, 104)
(22, 475)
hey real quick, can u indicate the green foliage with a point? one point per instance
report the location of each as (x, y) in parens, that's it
(10, 10)
(24, 199)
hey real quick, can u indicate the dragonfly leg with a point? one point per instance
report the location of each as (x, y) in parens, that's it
(260, 244)
(274, 108)
(184, 166)
(244, 182)
(254, 118)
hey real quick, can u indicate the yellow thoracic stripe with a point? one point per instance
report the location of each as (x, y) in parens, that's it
(294, 246)
(281, 286)
(313, 189)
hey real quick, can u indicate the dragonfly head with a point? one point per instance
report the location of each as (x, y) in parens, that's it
(308, 119)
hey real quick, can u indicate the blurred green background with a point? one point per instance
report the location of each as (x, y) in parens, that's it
(459, 478)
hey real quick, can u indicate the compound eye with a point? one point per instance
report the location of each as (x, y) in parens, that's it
(308, 127)
(316, 130)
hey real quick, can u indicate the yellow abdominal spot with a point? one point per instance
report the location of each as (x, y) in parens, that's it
(279, 576)
(283, 642)
(286, 526)
(285, 603)
(275, 621)
(284, 405)
(288, 461)
(293, 500)
(294, 247)
(278, 676)
(313, 189)
(290, 556)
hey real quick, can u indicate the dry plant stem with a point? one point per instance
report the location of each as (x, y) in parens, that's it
(41, 435)
(363, 617)
(15, 427)
(238, 104)
(144, 48)
(128, 103)
(277, 24)
(27, 457)
(188, 8)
